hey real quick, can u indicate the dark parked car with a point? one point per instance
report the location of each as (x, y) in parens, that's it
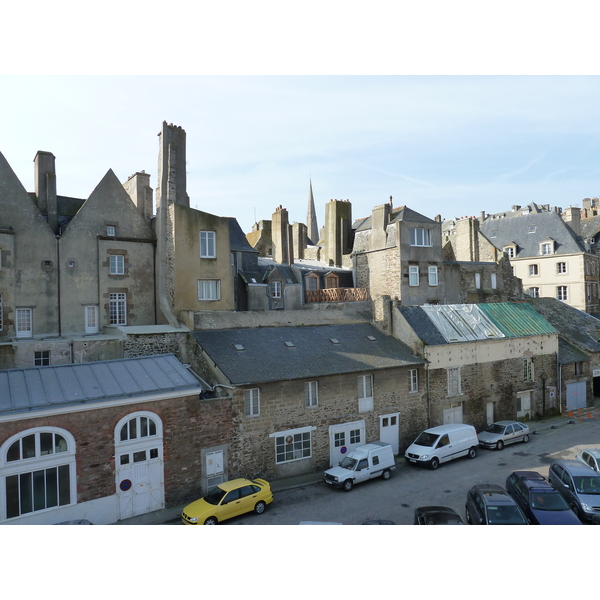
(489, 504)
(498, 434)
(580, 487)
(539, 501)
(437, 515)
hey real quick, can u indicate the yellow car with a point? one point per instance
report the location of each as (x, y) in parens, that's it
(228, 500)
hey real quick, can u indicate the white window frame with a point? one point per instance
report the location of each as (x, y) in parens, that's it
(276, 289)
(454, 382)
(534, 270)
(365, 393)
(413, 275)
(209, 290)
(527, 369)
(561, 270)
(413, 380)
(111, 230)
(432, 275)
(510, 250)
(562, 293)
(24, 322)
(117, 308)
(36, 463)
(293, 444)
(477, 281)
(117, 264)
(208, 244)
(547, 248)
(90, 317)
(311, 393)
(420, 236)
(534, 292)
(494, 281)
(252, 402)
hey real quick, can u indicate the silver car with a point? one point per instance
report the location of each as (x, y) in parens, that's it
(498, 434)
(591, 458)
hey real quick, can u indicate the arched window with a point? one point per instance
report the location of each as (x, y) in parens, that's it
(38, 471)
(138, 427)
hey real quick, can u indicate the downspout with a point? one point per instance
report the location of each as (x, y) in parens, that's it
(57, 237)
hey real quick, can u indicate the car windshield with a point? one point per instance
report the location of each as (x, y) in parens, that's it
(427, 439)
(215, 496)
(504, 515)
(348, 463)
(587, 485)
(495, 428)
(548, 501)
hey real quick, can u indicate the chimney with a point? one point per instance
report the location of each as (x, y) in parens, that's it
(573, 219)
(140, 192)
(380, 217)
(171, 185)
(45, 187)
(280, 231)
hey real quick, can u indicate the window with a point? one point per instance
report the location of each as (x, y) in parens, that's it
(527, 369)
(531, 228)
(1, 315)
(420, 237)
(332, 282)
(534, 292)
(311, 393)
(137, 428)
(433, 275)
(38, 470)
(547, 248)
(365, 393)
(23, 322)
(494, 233)
(494, 282)
(413, 380)
(209, 289)
(276, 289)
(454, 388)
(252, 402)
(41, 358)
(561, 293)
(207, 244)
(117, 264)
(111, 230)
(117, 309)
(91, 319)
(312, 282)
(355, 436)
(413, 275)
(293, 445)
(510, 250)
(561, 267)
(533, 270)
(477, 281)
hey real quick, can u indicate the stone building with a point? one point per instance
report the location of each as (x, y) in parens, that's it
(302, 396)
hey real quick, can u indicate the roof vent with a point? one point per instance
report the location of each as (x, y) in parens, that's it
(372, 338)
(238, 347)
(334, 341)
(290, 344)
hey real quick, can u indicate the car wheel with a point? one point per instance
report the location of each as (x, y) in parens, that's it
(211, 521)
(472, 452)
(260, 508)
(469, 520)
(434, 464)
(499, 445)
(347, 485)
(386, 475)
(525, 439)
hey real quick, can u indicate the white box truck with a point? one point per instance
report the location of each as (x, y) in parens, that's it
(375, 459)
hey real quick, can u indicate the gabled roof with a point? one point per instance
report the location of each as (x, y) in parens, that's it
(568, 353)
(40, 388)
(451, 323)
(529, 231)
(397, 214)
(264, 354)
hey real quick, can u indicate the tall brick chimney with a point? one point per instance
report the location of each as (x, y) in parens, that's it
(45, 187)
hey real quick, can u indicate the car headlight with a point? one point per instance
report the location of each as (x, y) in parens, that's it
(586, 507)
(424, 456)
(193, 519)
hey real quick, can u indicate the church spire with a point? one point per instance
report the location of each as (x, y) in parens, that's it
(312, 228)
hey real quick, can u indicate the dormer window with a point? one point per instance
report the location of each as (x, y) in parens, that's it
(510, 250)
(331, 281)
(420, 237)
(547, 248)
(111, 230)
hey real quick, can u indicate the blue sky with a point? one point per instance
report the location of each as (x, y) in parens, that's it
(449, 145)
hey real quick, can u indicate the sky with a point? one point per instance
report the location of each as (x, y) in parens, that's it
(448, 145)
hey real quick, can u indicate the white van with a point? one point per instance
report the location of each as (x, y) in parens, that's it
(443, 443)
(364, 462)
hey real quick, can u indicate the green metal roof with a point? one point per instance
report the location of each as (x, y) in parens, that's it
(517, 319)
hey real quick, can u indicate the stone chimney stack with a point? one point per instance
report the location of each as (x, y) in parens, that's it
(467, 239)
(300, 239)
(338, 231)
(172, 180)
(140, 192)
(45, 187)
(380, 217)
(573, 219)
(281, 235)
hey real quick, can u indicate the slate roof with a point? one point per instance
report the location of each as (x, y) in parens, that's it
(40, 388)
(590, 227)
(237, 238)
(548, 225)
(567, 353)
(398, 214)
(283, 353)
(451, 323)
